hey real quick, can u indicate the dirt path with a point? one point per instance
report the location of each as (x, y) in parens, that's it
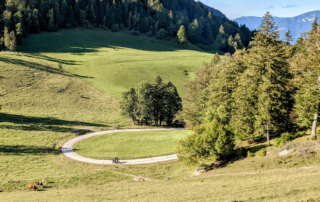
(67, 149)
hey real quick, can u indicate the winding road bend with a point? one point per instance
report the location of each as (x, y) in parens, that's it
(67, 149)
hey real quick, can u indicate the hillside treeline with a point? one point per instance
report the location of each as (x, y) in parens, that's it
(160, 18)
(148, 104)
(268, 90)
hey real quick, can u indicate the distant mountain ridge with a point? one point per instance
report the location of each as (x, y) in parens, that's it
(297, 25)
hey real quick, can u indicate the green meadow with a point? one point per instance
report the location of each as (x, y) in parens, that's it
(130, 145)
(112, 63)
(44, 106)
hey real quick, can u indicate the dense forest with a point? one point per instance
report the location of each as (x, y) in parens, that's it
(269, 90)
(160, 18)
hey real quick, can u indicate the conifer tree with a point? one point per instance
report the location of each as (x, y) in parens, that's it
(306, 65)
(51, 26)
(77, 11)
(35, 20)
(6, 38)
(13, 41)
(238, 40)
(315, 25)
(216, 58)
(288, 37)
(19, 33)
(263, 89)
(182, 35)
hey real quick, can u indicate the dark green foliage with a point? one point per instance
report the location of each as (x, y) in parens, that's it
(161, 34)
(115, 27)
(261, 152)
(263, 90)
(305, 63)
(149, 17)
(151, 103)
(207, 142)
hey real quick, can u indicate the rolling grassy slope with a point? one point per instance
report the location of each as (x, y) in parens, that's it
(57, 105)
(114, 62)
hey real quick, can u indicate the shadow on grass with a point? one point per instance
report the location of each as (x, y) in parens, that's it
(21, 149)
(95, 39)
(33, 65)
(12, 118)
(36, 127)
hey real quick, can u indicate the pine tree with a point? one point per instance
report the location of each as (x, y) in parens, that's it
(51, 26)
(77, 11)
(306, 66)
(263, 89)
(216, 58)
(35, 20)
(210, 15)
(315, 25)
(231, 44)
(6, 38)
(288, 37)
(92, 14)
(13, 41)
(19, 33)
(83, 17)
(238, 40)
(182, 35)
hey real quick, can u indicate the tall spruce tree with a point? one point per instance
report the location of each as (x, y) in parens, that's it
(306, 65)
(288, 38)
(263, 88)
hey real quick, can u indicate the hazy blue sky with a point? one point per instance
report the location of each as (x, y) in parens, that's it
(280, 8)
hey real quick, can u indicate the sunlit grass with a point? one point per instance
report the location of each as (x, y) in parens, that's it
(130, 145)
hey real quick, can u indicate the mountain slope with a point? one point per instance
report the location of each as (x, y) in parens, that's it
(297, 25)
(215, 11)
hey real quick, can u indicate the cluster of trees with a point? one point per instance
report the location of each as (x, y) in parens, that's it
(269, 89)
(148, 104)
(160, 18)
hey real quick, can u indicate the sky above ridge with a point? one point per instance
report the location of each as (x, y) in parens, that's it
(280, 8)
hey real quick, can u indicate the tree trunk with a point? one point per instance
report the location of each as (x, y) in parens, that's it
(314, 126)
(268, 137)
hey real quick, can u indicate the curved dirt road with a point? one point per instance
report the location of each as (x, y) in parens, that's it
(67, 149)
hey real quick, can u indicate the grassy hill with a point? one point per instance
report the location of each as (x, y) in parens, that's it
(43, 106)
(112, 63)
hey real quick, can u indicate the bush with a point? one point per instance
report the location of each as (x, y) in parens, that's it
(261, 152)
(250, 154)
(136, 33)
(208, 142)
(150, 33)
(115, 27)
(285, 137)
(161, 34)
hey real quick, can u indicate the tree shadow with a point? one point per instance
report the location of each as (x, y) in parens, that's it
(21, 149)
(84, 77)
(45, 57)
(12, 118)
(33, 65)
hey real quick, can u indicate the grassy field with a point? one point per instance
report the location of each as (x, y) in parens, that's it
(130, 145)
(43, 107)
(114, 62)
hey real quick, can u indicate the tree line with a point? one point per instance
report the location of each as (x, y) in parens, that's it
(160, 18)
(148, 104)
(267, 90)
